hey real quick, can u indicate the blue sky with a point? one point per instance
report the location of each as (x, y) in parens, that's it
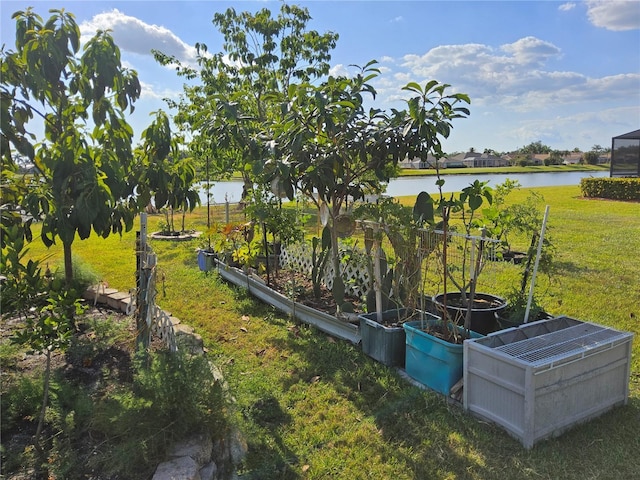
(563, 73)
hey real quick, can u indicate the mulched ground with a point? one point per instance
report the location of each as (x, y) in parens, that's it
(299, 286)
(86, 367)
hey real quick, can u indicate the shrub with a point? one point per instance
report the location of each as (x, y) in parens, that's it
(22, 399)
(611, 188)
(173, 396)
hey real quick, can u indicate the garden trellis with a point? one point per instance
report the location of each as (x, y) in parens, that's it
(463, 263)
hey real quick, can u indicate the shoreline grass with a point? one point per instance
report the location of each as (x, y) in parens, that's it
(426, 172)
(314, 407)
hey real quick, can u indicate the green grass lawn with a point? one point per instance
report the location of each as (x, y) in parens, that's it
(408, 172)
(314, 407)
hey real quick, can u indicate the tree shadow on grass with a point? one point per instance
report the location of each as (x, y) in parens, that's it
(268, 456)
(422, 431)
(436, 439)
(569, 268)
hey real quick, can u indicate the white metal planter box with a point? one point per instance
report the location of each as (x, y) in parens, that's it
(542, 378)
(340, 328)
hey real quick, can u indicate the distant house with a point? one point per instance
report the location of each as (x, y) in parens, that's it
(489, 160)
(454, 161)
(461, 160)
(415, 163)
(539, 158)
(572, 159)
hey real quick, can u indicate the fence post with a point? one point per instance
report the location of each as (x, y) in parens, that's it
(142, 284)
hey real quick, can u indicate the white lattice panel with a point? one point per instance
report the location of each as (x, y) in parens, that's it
(297, 257)
(355, 273)
(162, 327)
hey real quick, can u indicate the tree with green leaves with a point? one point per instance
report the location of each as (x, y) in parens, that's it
(83, 179)
(590, 158)
(240, 90)
(535, 148)
(165, 174)
(47, 309)
(334, 149)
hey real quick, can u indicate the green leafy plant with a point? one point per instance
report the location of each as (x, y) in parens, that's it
(400, 272)
(173, 394)
(83, 176)
(319, 259)
(48, 331)
(165, 173)
(515, 312)
(334, 148)
(47, 308)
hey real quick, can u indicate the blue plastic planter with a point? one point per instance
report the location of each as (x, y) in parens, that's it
(205, 260)
(430, 360)
(382, 343)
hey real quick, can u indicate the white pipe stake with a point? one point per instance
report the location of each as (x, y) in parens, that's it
(535, 266)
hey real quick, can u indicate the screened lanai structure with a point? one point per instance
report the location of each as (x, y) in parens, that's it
(625, 155)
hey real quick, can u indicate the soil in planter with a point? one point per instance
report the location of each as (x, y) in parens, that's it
(299, 287)
(438, 331)
(478, 303)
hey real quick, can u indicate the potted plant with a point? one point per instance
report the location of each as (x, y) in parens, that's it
(395, 294)
(520, 219)
(428, 118)
(334, 149)
(432, 357)
(463, 257)
(206, 257)
(227, 239)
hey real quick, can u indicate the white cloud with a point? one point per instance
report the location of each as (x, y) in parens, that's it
(154, 92)
(340, 70)
(565, 7)
(397, 19)
(513, 76)
(134, 36)
(531, 51)
(614, 15)
(579, 129)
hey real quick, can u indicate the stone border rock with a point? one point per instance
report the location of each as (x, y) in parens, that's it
(196, 457)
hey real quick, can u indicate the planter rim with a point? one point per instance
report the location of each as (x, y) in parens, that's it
(414, 327)
(503, 303)
(371, 318)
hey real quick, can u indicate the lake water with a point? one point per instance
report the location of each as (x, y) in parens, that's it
(232, 190)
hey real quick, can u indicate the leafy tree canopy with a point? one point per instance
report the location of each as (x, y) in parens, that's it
(83, 166)
(535, 148)
(238, 93)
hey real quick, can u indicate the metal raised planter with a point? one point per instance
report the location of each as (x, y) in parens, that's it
(321, 320)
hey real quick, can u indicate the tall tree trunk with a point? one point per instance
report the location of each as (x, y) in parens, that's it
(68, 266)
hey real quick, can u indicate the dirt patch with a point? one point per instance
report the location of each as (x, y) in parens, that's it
(299, 287)
(98, 360)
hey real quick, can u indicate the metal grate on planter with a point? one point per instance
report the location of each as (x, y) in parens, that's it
(558, 346)
(542, 378)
